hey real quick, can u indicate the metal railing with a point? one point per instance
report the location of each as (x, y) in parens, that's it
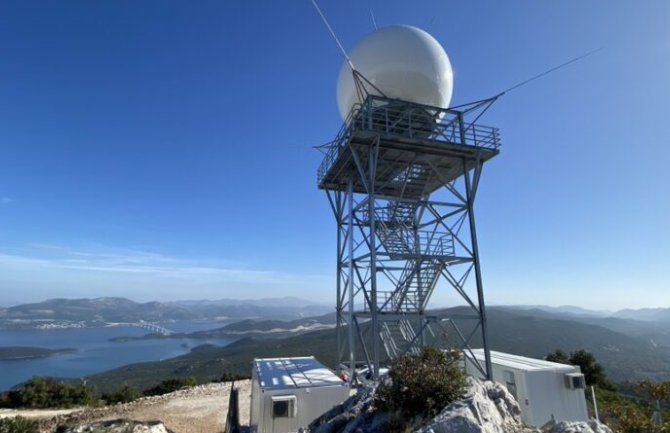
(339, 142)
(402, 119)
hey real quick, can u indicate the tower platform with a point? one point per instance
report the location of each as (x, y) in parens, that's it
(419, 148)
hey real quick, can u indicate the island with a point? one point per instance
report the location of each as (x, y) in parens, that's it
(25, 352)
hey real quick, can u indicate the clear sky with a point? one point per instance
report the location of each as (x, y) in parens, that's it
(162, 149)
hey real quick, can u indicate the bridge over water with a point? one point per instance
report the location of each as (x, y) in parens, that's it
(153, 327)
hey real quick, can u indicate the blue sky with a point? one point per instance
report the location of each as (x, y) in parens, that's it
(162, 149)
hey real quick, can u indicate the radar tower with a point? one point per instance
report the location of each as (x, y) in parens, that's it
(401, 178)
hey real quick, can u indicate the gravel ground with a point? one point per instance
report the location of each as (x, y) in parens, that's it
(200, 409)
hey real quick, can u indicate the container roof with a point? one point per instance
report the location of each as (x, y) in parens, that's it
(522, 363)
(287, 373)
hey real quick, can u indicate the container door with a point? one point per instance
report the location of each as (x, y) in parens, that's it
(284, 414)
(510, 383)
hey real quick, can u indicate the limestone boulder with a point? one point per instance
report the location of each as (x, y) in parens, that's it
(486, 407)
(591, 426)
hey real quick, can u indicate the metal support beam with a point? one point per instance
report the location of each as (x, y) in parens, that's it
(350, 289)
(396, 238)
(469, 185)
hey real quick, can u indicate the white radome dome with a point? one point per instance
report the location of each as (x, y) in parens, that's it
(404, 62)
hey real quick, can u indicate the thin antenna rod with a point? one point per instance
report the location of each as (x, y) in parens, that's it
(430, 24)
(332, 33)
(549, 71)
(372, 15)
(473, 106)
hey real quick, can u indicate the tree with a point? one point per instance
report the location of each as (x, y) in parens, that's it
(658, 392)
(655, 390)
(558, 356)
(40, 392)
(124, 394)
(170, 385)
(629, 418)
(594, 373)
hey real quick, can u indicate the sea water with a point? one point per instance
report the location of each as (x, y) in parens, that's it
(95, 352)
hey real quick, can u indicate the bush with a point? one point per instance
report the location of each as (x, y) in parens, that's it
(170, 385)
(123, 394)
(594, 373)
(628, 418)
(422, 385)
(40, 393)
(19, 425)
(11, 398)
(227, 376)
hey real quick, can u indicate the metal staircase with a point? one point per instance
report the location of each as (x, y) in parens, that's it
(424, 254)
(398, 338)
(417, 281)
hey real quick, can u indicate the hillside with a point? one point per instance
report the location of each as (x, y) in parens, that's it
(654, 332)
(647, 314)
(16, 353)
(94, 312)
(624, 357)
(253, 325)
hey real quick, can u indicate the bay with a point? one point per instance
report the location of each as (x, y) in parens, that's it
(95, 353)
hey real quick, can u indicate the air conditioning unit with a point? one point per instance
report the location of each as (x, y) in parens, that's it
(283, 406)
(575, 381)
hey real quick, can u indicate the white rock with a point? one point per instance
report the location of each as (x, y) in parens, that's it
(143, 428)
(591, 426)
(487, 407)
(120, 426)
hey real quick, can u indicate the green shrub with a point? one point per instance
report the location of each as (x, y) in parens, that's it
(11, 398)
(170, 385)
(40, 392)
(19, 425)
(228, 376)
(422, 385)
(123, 394)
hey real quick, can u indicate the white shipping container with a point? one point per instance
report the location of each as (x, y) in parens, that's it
(289, 393)
(543, 389)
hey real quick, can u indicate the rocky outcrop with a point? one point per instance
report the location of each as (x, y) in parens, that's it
(355, 413)
(591, 426)
(120, 426)
(486, 407)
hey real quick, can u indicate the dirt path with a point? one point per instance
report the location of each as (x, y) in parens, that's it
(200, 409)
(36, 413)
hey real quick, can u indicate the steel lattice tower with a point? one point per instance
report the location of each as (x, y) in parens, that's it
(401, 179)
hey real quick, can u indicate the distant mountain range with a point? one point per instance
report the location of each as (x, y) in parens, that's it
(643, 314)
(629, 349)
(653, 332)
(647, 314)
(98, 311)
(571, 310)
